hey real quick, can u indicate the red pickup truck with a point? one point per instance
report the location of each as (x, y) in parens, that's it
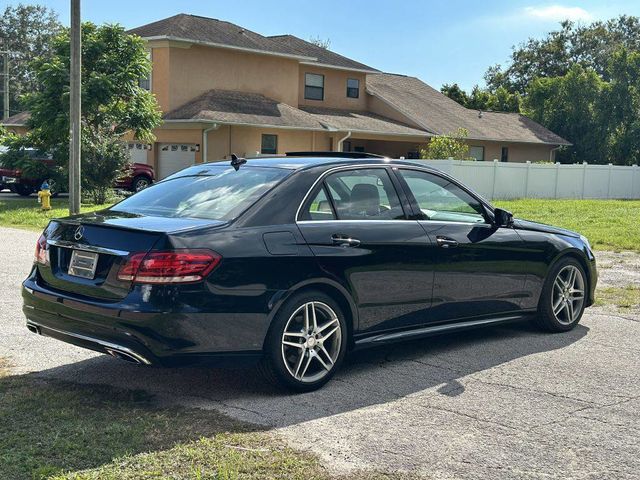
(137, 178)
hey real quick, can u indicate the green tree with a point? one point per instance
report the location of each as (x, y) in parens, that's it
(589, 46)
(454, 92)
(27, 31)
(621, 108)
(501, 100)
(112, 102)
(571, 106)
(448, 146)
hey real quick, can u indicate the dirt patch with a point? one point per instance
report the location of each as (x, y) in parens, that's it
(619, 282)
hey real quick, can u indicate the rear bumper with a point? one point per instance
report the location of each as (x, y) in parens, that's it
(169, 338)
(132, 353)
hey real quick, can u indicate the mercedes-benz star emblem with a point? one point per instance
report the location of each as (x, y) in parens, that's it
(79, 233)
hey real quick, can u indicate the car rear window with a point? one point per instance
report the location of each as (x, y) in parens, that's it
(221, 194)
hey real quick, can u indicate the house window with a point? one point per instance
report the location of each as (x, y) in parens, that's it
(269, 144)
(504, 155)
(476, 152)
(313, 86)
(353, 87)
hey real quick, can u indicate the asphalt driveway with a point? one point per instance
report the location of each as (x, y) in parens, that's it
(504, 402)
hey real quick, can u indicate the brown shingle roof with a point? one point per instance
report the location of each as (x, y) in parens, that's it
(324, 56)
(439, 114)
(209, 30)
(218, 32)
(357, 121)
(241, 108)
(17, 120)
(230, 107)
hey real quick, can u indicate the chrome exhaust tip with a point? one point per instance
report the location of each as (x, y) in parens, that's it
(127, 357)
(33, 328)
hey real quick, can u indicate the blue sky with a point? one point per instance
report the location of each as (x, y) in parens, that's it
(437, 40)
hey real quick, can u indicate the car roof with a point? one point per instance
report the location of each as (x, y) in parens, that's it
(302, 162)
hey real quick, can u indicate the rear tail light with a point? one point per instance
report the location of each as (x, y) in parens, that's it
(42, 252)
(174, 266)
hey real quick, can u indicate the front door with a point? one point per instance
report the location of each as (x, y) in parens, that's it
(480, 269)
(358, 230)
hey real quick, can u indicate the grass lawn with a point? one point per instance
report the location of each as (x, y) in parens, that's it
(66, 431)
(625, 298)
(26, 213)
(608, 224)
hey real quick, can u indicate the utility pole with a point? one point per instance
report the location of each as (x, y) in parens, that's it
(74, 110)
(5, 79)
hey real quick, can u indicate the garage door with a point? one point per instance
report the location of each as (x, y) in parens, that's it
(138, 152)
(174, 157)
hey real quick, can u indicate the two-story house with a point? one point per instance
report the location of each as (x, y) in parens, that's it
(224, 89)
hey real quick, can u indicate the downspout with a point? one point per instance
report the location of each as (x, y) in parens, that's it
(205, 141)
(340, 142)
(551, 159)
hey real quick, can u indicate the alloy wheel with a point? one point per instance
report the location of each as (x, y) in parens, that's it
(311, 342)
(141, 184)
(568, 295)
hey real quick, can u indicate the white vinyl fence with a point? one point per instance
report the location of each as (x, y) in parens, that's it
(504, 180)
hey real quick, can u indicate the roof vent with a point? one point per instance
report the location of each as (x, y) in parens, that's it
(241, 31)
(480, 114)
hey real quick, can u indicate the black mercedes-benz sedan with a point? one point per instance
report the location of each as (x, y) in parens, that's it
(294, 261)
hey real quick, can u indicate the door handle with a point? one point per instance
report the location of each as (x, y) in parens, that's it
(344, 240)
(446, 242)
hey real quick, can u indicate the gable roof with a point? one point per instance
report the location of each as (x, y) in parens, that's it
(439, 114)
(360, 121)
(213, 32)
(323, 56)
(229, 107)
(17, 120)
(219, 33)
(242, 108)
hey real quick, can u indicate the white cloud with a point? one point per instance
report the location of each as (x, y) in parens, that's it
(558, 13)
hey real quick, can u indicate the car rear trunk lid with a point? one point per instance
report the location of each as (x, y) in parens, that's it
(85, 252)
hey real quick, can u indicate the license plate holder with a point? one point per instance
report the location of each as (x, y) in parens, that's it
(83, 264)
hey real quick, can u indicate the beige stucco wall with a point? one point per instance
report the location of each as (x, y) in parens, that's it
(181, 73)
(518, 152)
(17, 130)
(246, 141)
(335, 89)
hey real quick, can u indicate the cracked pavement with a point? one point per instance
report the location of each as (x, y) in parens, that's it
(502, 402)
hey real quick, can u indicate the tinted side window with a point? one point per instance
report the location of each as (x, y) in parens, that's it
(320, 208)
(440, 199)
(364, 194)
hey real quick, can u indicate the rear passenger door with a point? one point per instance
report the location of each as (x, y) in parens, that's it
(355, 224)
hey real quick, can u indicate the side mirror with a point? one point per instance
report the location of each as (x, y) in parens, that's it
(502, 218)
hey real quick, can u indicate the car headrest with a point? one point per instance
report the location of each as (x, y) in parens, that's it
(365, 199)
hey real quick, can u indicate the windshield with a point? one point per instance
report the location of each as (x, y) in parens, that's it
(221, 194)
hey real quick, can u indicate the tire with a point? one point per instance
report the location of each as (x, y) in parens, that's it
(23, 190)
(564, 292)
(140, 183)
(320, 353)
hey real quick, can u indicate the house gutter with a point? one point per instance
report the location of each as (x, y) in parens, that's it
(205, 141)
(341, 141)
(553, 150)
